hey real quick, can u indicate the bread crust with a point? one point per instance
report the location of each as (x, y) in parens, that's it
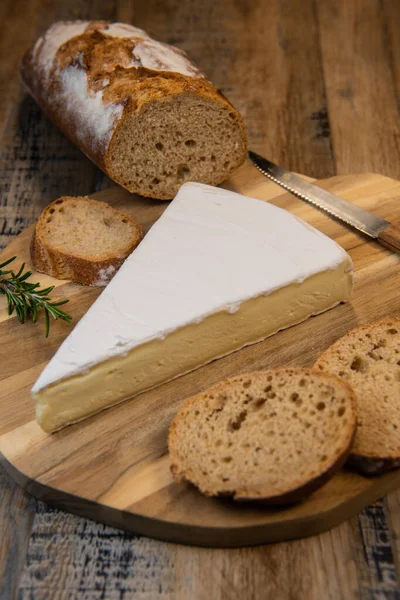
(113, 86)
(302, 488)
(373, 465)
(367, 463)
(56, 262)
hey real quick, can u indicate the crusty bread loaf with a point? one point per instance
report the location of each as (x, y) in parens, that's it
(270, 436)
(140, 109)
(83, 240)
(368, 358)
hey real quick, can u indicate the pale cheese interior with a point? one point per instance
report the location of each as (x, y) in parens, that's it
(189, 347)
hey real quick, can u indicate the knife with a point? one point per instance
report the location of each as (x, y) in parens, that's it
(384, 232)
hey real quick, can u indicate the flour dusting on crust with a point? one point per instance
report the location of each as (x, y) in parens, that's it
(94, 120)
(105, 276)
(148, 53)
(160, 57)
(124, 30)
(46, 47)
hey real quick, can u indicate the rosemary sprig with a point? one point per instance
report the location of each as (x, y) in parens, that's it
(27, 298)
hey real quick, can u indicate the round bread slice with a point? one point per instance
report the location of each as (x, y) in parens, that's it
(269, 436)
(368, 358)
(83, 240)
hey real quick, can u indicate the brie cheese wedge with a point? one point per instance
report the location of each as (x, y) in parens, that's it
(216, 272)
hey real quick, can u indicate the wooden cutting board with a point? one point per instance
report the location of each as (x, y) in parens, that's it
(114, 467)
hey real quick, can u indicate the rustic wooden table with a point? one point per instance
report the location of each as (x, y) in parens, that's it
(318, 84)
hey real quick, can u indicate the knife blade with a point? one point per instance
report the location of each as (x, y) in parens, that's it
(351, 214)
(384, 232)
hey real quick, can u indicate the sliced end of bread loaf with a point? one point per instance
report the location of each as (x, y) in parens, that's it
(269, 436)
(83, 240)
(182, 138)
(368, 358)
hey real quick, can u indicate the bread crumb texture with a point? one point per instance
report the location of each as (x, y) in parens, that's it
(368, 358)
(177, 139)
(83, 240)
(271, 436)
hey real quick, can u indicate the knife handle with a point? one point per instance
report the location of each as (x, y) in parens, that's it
(390, 237)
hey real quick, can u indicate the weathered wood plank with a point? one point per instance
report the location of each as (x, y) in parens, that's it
(376, 567)
(264, 64)
(265, 57)
(392, 507)
(318, 568)
(391, 14)
(392, 19)
(359, 77)
(16, 515)
(70, 557)
(360, 45)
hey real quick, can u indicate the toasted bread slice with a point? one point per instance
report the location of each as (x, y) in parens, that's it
(368, 358)
(269, 436)
(83, 240)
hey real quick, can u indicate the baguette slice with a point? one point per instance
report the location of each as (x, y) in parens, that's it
(83, 240)
(269, 436)
(368, 358)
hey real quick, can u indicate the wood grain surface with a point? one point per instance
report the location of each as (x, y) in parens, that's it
(283, 64)
(114, 467)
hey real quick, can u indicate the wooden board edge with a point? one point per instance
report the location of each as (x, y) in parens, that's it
(194, 535)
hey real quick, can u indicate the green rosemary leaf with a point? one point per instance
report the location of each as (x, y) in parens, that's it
(46, 291)
(59, 302)
(24, 277)
(21, 270)
(11, 305)
(47, 319)
(34, 312)
(26, 298)
(7, 262)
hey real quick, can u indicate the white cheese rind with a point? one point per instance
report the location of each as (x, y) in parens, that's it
(211, 250)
